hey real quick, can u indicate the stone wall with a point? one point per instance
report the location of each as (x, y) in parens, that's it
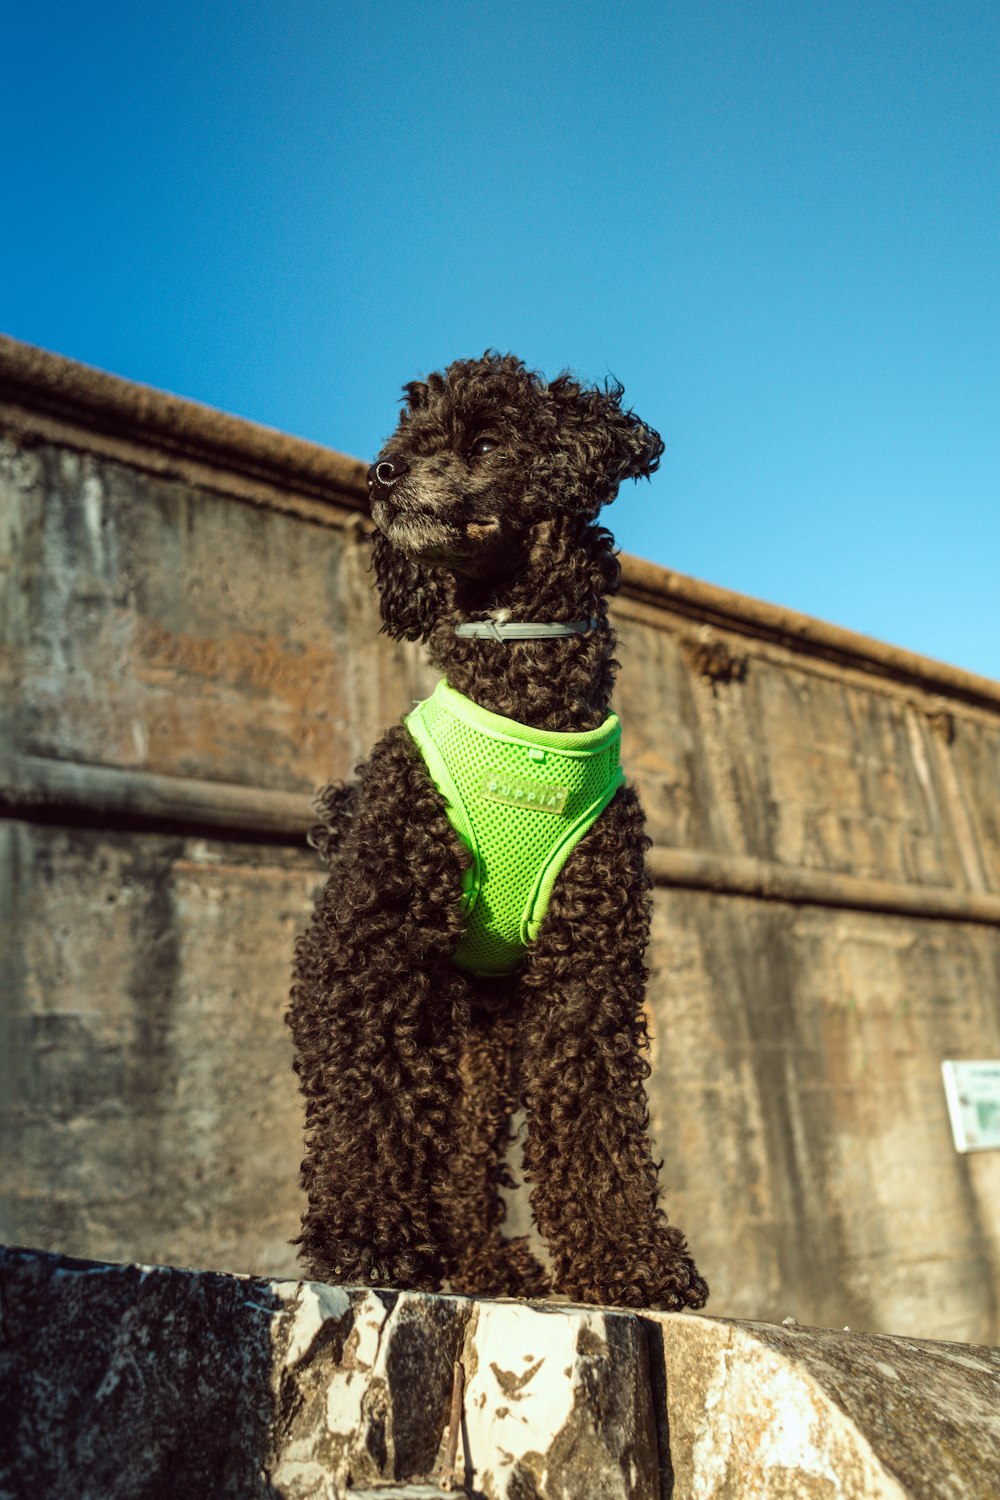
(189, 647)
(130, 1381)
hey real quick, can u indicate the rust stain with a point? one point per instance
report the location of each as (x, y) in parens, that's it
(513, 1385)
(349, 1357)
(263, 664)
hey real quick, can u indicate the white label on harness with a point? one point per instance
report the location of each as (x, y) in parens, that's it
(531, 794)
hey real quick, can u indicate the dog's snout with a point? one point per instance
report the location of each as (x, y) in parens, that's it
(386, 471)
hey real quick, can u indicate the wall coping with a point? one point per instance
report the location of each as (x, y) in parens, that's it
(708, 1407)
(51, 389)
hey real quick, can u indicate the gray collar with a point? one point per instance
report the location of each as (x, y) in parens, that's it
(513, 630)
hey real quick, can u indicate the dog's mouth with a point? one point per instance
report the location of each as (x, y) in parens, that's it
(401, 521)
(427, 537)
(421, 534)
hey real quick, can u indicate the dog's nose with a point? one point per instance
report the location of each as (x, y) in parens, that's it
(386, 471)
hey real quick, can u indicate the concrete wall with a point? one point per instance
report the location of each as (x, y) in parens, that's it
(189, 647)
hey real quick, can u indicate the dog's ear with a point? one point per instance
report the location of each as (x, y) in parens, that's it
(612, 443)
(635, 447)
(411, 598)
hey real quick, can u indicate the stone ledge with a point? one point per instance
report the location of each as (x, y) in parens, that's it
(136, 1380)
(49, 396)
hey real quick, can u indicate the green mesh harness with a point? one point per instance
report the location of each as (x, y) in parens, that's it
(520, 800)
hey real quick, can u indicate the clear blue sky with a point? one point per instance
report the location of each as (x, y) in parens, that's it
(776, 223)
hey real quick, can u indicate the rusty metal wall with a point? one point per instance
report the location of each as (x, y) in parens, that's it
(189, 646)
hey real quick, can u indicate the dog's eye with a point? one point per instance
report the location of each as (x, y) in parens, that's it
(482, 446)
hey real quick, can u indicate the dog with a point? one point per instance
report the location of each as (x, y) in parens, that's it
(479, 943)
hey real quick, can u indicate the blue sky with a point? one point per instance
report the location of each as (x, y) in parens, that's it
(776, 223)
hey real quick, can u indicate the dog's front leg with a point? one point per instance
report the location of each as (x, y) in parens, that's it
(588, 1155)
(378, 1014)
(486, 1263)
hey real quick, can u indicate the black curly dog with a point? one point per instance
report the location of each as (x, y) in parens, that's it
(485, 501)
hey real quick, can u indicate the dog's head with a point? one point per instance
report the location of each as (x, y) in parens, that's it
(484, 458)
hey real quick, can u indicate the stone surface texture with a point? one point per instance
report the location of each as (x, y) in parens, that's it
(363, 1386)
(189, 640)
(763, 1409)
(133, 1381)
(559, 1403)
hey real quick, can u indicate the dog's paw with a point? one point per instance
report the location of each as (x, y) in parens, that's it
(660, 1275)
(670, 1281)
(501, 1268)
(524, 1274)
(360, 1265)
(690, 1290)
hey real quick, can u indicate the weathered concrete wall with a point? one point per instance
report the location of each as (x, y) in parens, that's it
(131, 1381)
(189, 647)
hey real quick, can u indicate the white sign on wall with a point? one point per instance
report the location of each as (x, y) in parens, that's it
(972, 1090)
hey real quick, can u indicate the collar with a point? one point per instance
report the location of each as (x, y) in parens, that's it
(513, 630)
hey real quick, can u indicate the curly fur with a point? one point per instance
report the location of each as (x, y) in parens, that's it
(485, 501)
